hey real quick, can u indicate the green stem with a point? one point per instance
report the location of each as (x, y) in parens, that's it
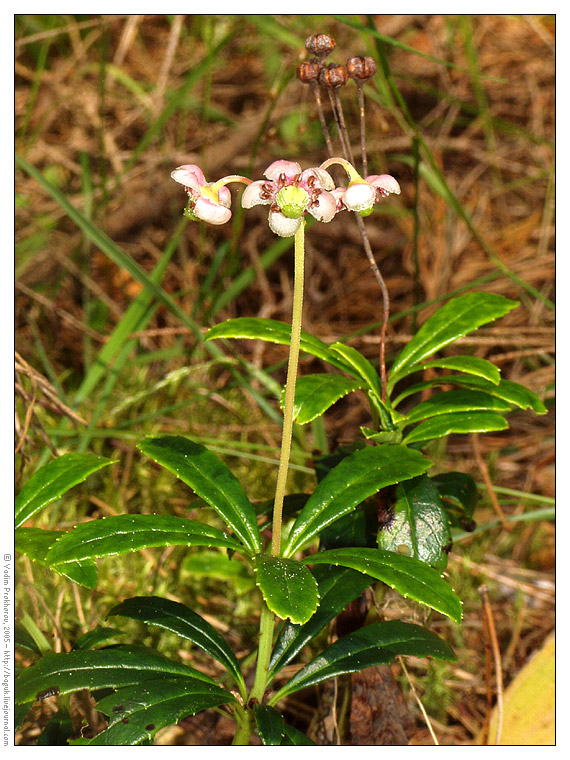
(290, 389)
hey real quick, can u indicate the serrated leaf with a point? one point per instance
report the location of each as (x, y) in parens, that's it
(273, 331)
(35, 543)
(408, 576)
(455, 319)
(176, 617)
(288, 587)
(471, 365)
(353, 480)
(456, 401)
(459, 495)
(375, 644)
(270, 725)
(138, 712)
(513, 393)
(53, 480)
(122, 534)
(98, 669)
(457, 422)
(210, 479)
(337, 588)
(419, 524)
(314, 394)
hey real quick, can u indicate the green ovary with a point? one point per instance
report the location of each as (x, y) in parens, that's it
(292, 201)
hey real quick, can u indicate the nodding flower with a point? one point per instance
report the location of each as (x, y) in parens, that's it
(361, 194)
(207, 201)
(291, 193)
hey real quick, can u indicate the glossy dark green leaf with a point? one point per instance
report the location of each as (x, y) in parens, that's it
(357, 528)
(98, 669)
(273, 331)
(375, 644)
(458, 422)
(337, 588)
(471, 365)
(514, 393)
(419, 525)
(122, 534)
(353, 480)
(176, 617)
(53, 480)
(364, 369)
(270, 725)
(23, 640)
(408, 576)
(314, 394)
(97, 636)
(456, 401)
(35, 543)
(210, 479)
(288, 587)
(137, 712)
(455, 319)
(57, 732)
(459, 495)
(295, 738)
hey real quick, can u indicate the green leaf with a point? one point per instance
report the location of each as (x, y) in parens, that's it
(288, 587)
(35, 543)
(138, 712)
(454, 320)
(97, 636)
(459, 495)
(507, 390)
(337, 588)
(464, 422)
(357, 528)
(314, 394)
(472, 365)
(456, 401)
(295, 738)
(353, 480)
(273, 331)
(270, 725)
(53, 480)
(176, 617)
(420, 525)
(98, 669)
(375, 644)
(122, 534)
(216, 564)
(408, 576)
(362, 368)
(211, 480)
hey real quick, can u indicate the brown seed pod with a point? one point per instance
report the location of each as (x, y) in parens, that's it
(309, 71)
(361, 67)
(320, 44)
(333, 76)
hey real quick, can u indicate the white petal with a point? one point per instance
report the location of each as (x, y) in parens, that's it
(322, 178)
(252, 195)
(211, 212)
(283, 226)
(289, 168)
(324, 208)
(359, 197)
(385, 183)
(189, 175)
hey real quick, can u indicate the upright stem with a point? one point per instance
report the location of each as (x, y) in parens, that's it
(290, 389)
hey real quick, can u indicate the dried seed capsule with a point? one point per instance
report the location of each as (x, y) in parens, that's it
(309, 71)
(361, 67)
(320, 44)
(333, 76)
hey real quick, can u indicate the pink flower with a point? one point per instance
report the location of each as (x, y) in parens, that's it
(361, 194)
(208, 201)
(291, 193)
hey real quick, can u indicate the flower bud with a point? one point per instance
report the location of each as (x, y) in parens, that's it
(361, 67)
(320, 44)
(292, 201)
(309, 71)
(333, 76)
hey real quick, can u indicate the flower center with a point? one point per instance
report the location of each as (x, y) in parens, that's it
(292, 201)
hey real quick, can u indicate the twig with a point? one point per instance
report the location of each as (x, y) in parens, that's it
(487, 478)
(418, 700)
(490, 631)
